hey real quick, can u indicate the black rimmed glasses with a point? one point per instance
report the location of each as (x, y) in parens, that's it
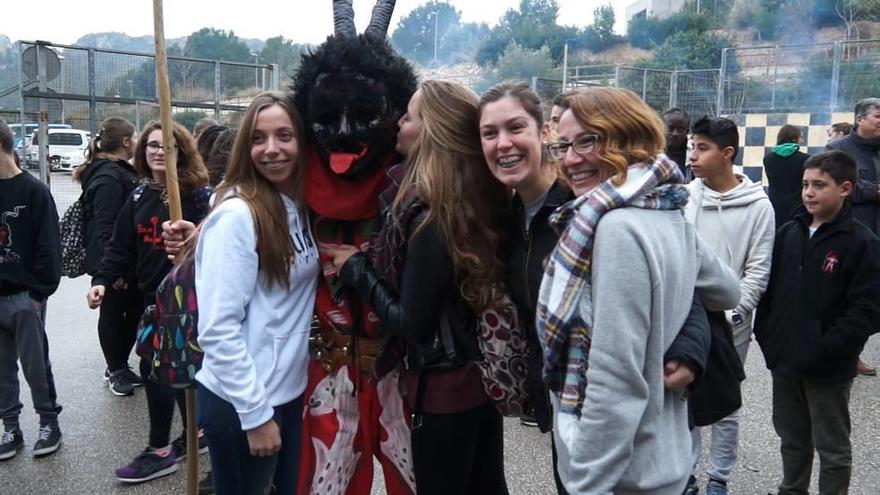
(155, 146)
(582, 145)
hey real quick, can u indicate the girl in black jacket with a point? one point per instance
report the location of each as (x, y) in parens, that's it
(137, 246)
(436, 262)
(107, 180)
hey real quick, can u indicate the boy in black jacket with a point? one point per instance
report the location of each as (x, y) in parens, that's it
(822, 304)
(30, 269)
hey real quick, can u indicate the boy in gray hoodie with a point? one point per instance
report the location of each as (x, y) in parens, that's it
(735, 218)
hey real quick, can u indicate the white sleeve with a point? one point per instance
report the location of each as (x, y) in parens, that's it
(756, 274)
(600, 444)
(226, 278)
(717, 284)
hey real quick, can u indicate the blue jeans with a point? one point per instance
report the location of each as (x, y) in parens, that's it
(235, 470)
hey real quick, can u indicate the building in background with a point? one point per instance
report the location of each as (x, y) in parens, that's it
(653, 8)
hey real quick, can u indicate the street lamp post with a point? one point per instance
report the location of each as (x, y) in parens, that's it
(435, 35)
(256, 69)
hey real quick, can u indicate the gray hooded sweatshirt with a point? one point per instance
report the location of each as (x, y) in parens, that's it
(739, 226)
(632, 435)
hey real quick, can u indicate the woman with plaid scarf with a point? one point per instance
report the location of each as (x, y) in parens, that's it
(617, 289)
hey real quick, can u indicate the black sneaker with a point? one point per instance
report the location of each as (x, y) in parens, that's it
(49, 439)
(147, 466)
(133, 378)
(118, 383)
(206, 486)
(11, 441)
(528, 419)
(178, 445)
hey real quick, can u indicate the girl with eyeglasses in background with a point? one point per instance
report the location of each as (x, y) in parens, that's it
(137, 245)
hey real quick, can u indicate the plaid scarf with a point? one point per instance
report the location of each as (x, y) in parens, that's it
(564, 315)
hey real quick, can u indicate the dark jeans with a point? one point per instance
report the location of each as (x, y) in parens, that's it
(160, 406)
(23, 337)
(810, 414)
(235, 470)
(121, 311)
(460, 453)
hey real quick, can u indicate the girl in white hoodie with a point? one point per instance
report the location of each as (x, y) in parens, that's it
(256, 276)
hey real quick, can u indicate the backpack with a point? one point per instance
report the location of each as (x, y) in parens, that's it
(168, 330)
(502, 342)
(73, 250)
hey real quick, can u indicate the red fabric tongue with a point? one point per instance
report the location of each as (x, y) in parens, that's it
(340, 163)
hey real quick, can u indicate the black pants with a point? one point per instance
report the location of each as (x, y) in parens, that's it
(117, 325)
(160, 406)
(460, 453)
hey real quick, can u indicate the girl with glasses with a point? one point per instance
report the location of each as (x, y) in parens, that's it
(136, 246)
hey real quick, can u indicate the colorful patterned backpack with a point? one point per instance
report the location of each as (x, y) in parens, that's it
(502, 341)
(168, 330)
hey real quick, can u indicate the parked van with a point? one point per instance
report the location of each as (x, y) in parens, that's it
(67, 149)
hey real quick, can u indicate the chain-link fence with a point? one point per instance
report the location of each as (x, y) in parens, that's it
(819, 77)
(78, 87)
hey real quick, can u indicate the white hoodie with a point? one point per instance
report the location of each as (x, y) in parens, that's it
(739, 226)
(255, 335)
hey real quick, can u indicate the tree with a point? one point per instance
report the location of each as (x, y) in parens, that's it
(532, 26)
(603, 25)
(285, 53)
(415, 34)
(692, 49)
(520, 63)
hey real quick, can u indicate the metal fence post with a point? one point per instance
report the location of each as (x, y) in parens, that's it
(93, 91)
(43, 145)
(775, 75)
(276, 77)
(645, 84)
(673, 89)
(617, 75)
(835, 76)
(534, 84)
(721, 76)
(217, 90)
(21, 94)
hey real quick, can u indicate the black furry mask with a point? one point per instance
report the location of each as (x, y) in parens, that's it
(351, 91)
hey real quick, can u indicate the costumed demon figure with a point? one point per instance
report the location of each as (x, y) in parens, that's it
(351, 91)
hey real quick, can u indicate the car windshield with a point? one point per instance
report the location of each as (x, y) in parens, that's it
(65, 139)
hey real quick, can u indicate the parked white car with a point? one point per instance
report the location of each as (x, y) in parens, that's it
(67, 149)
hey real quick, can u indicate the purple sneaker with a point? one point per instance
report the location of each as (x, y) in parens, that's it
(147, 466)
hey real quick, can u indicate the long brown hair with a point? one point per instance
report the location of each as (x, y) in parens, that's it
(191, 171)
(629, 130)
(274, 244)
(465, 202)
(112, 133)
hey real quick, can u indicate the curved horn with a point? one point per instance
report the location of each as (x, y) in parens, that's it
(381, 18)
(343, 18)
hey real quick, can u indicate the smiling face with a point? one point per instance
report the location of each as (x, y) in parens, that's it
(274, 148)
(511, 142)
(583, 171)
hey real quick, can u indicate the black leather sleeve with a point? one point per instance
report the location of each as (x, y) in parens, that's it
(427, 280)
(691, 345)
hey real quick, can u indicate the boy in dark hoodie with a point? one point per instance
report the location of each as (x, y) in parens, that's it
(822, 304)
(30, 269)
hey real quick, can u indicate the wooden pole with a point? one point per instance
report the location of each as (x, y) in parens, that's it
(174, 209)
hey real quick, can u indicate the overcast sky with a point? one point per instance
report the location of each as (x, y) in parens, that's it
(64, 21)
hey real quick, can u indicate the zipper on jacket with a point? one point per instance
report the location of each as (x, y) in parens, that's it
(525, 270)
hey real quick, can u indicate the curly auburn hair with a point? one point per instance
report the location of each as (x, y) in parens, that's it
(191, 171)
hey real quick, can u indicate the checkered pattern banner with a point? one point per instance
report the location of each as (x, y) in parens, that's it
(757, 136)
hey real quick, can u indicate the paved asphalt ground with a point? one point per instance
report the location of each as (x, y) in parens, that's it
(102, 431)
